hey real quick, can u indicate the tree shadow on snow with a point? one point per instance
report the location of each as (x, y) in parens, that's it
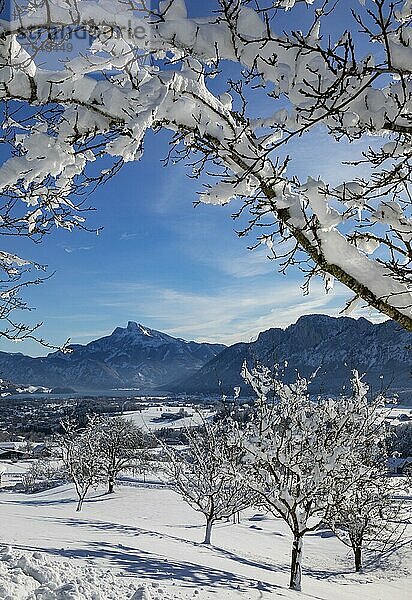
(244, 560)
(40, 502)
(390, 560)
(259, 563)
(136, 531)
(32, 500)
(147, 565)
(119, 528)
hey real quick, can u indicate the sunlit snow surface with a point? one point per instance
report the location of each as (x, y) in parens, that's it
(151, 419)
(142, 543)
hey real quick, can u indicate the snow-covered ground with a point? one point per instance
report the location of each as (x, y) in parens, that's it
(34, 575)
(142, 543)
(400, 414)
(150, 418)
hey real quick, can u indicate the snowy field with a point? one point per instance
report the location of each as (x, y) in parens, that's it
(400, 414)
(142, 543)
(150, 418)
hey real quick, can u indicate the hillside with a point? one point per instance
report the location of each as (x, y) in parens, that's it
(142, 543)
(145, 359)
(335, 346)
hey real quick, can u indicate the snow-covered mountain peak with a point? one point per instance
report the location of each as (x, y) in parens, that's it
(134, 330)
(134, 356)
(138, 334)
(138, 328)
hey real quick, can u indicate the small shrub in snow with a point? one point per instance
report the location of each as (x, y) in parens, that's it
(42, 474)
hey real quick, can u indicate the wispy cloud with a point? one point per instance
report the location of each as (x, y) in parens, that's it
(235, 313)
(128, 236)
(245, 265)
(84, 336)
(228, 254)
(78, 249)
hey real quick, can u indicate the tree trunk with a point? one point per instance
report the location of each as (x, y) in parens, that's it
(296, 566)
(358, 558)
(110, 488)
(79, 504)
(208, 533)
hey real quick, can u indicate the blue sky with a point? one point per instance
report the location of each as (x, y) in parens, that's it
(170, 266)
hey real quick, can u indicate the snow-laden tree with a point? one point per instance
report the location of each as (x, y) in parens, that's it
(80, 454)
(369, 514)
(368, 506)
(401, 441)
(206, 475)
(150, 69)
(122, 446)
(299, 449)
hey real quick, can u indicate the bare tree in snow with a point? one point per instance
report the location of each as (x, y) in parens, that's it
(80, 454)
(354, 85)
(122, 446)
(205, 475)
(299, 451)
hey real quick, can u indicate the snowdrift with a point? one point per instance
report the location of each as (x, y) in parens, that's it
(33, 576)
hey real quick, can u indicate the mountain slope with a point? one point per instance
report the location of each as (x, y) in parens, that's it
(332, 345)
(135, 356)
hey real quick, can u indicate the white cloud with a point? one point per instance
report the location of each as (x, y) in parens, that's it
(128, 236)
(78, 249)
(245, 265)
(235, 313)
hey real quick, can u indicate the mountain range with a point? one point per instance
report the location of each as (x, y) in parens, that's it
(142, 358)
(331, 347)
(135, 357)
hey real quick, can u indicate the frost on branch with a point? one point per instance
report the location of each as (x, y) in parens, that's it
(81, 457)
(312, 460)
(102, 100)
(205, 474)
(15, 277)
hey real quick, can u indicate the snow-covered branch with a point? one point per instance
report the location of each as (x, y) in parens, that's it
(204, 474)
(316, 460)
(101, 102)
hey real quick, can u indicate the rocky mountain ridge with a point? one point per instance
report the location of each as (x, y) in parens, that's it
(135, 356)
(144, 359)
(331, 346)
